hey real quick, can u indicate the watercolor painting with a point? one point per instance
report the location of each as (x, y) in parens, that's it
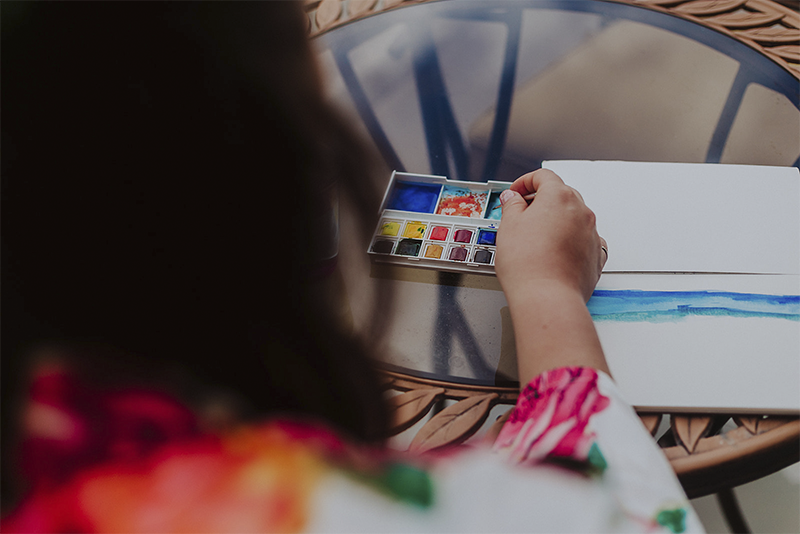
(462, 202)
(713, 350)
(673, 306)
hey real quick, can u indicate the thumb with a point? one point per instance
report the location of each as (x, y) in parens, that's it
(512, 202)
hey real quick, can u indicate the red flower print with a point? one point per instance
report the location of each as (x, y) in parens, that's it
(551, 417)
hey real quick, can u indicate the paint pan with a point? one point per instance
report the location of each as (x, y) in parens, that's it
(463, 235)
(487, 237)
(383, 246)
(434, 251)
(439, 233)
(390, 228)
(408, 247)
(415, 229)
(430, 221)
(482, 255)
(458, 253)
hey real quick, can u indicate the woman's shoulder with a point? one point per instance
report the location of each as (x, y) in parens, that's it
(264, 477)
(129, 459)
(138, 460)
(135, 459)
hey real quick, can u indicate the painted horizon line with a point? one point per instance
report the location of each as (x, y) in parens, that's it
(633, 305)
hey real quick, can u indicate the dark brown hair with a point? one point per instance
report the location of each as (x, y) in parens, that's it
(162, 163)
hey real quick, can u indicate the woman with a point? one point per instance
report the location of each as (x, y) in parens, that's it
(180, 376)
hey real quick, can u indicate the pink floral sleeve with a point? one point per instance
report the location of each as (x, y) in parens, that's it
(576, 417)
(551, 418)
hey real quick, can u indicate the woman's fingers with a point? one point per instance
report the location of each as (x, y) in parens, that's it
(533, 181)
(512, 203)
(603, 254)
(566, 248)
(528, 184)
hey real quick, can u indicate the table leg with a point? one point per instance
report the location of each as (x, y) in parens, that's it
(732, 512)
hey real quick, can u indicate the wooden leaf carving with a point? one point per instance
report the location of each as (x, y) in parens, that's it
(411, 406)
(772, 35)
(651, 422)
(788, 52)
(768, 423)
(356, 8)
(749, 422)
(454, 424)
(328, 12)
(745, 19)
(689, 429)
(659, 2)
(709, 7)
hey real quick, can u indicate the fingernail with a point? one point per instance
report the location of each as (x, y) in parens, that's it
(506, 195)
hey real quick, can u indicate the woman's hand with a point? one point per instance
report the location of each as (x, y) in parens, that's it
(549, 259)
(551, 241)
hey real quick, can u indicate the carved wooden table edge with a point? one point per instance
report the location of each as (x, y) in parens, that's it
(738, 456)
(767, 26)
(706, 457)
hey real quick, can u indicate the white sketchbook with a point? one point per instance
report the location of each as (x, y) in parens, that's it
(699, 304)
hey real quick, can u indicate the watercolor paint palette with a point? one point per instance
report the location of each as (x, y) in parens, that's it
(430, 221)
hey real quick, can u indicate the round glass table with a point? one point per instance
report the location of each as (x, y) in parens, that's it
(488, 90)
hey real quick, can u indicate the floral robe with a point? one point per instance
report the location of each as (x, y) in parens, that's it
(572, 457)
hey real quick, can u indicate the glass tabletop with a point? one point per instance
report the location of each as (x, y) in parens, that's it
(476, 90)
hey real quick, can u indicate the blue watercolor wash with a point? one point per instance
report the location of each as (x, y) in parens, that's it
(414, 196)
(487, 237)
(671, 306)
(494, 210)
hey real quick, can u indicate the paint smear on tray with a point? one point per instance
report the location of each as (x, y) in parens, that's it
(462, 202)
(494, 210)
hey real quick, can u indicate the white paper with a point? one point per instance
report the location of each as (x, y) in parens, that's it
(698, 339)
(683, 217)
